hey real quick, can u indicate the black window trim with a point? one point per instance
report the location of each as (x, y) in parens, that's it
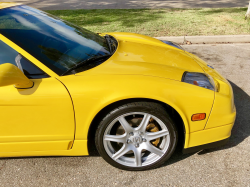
(19, 65)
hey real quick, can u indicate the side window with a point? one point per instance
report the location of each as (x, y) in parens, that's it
(29, 69)
(9, 55)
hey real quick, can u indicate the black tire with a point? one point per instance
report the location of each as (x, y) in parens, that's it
(151, 108)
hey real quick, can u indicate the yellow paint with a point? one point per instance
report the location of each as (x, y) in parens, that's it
(80, 148)
(210, 135)
(8, 4)
(43, 120)
(11, 75)
(39, 114)
(224, 111)
(101, 90)
(34, 146)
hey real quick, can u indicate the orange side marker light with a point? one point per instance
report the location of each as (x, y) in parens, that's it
(198, 117)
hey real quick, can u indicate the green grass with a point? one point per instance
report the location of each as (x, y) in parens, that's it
(161, 22)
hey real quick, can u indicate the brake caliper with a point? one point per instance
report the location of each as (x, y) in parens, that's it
(152, 127)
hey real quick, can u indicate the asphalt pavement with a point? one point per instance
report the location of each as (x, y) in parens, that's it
(225, 166)
(130, 4)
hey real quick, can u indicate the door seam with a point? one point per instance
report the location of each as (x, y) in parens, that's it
(71, 146)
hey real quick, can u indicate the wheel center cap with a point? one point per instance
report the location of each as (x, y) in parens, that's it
(136, 139)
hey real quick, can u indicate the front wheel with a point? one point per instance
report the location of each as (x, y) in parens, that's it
(136, 136)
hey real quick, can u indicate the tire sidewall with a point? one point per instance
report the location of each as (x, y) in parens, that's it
(158, 112)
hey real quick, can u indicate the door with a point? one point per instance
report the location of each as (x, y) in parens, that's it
(40, 118)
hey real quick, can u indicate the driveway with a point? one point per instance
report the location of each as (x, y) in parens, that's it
(225, 166)
(128, 4)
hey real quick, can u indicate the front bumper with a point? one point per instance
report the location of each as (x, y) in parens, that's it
(208, 138)
(206, 146)
(220, 121)
(223, 110)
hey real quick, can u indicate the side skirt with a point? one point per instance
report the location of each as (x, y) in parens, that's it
(79, 148)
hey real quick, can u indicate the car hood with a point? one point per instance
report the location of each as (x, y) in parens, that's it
(142, 55)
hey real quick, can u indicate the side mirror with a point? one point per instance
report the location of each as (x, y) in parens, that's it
(11, 75)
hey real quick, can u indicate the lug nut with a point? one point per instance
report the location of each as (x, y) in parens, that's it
(128, 141)
(131, 134)
(144, 139)
(137, 145)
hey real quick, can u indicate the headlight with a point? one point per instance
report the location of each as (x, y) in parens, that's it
(172, 44)
(199, 79)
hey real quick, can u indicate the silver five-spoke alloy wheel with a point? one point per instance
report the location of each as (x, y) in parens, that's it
(136, 139)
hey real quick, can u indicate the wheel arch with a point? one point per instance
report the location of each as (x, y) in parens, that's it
(180, 123)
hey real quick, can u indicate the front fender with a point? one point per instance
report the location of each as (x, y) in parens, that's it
(91, 94)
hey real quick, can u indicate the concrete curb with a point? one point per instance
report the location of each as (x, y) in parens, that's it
(208, 39)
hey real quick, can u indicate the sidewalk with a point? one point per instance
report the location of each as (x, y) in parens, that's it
(207, 39)
(130, 4)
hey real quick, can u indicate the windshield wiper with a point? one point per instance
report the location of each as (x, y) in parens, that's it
(84, 62)
(108, 39)
(112, 43)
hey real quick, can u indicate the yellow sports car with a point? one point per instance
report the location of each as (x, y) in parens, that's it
(65, 90)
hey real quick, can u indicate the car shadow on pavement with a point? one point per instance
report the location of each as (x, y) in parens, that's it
(177, 156)
(240, 130)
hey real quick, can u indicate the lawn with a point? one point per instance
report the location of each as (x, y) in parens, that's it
(161, 22)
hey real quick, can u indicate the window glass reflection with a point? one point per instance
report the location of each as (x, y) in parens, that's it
(56, 43)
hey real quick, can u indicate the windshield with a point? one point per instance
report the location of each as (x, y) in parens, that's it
(56, 43)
